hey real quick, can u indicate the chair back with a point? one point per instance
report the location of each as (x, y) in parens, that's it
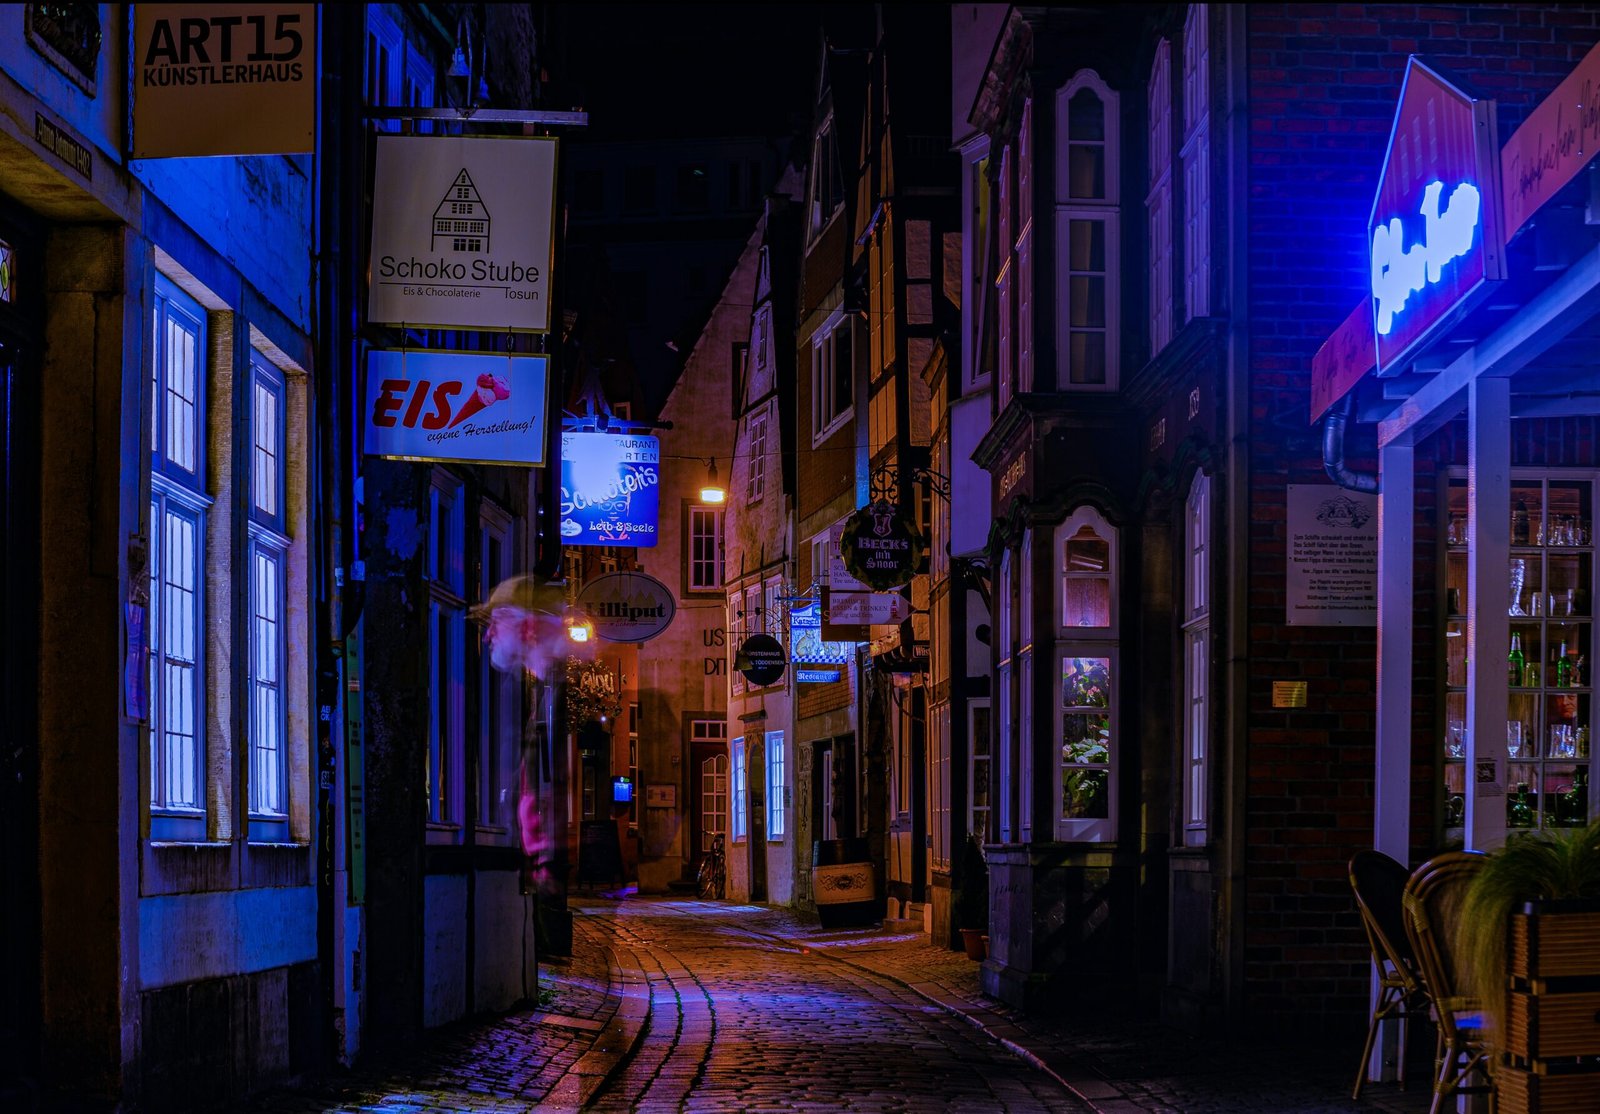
(1432, 902)
(1379, 882)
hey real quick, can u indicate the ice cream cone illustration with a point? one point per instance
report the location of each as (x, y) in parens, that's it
(490, 389)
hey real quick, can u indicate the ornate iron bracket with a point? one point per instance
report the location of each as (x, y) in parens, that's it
(884, 484)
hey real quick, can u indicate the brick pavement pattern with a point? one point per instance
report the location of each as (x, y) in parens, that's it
(671, 1004)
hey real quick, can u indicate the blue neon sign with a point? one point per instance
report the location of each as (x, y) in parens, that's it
(1399, 272)
(609, 489)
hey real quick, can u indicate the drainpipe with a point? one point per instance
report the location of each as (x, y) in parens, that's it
(1333, 427)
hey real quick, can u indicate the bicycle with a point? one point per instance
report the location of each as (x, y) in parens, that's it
(712, 881)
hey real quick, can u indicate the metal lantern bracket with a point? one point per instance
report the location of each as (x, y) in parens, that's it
(884, 484)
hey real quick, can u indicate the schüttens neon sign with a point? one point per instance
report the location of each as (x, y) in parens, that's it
(1399, 272)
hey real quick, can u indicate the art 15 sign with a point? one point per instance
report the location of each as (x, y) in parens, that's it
(478, 409)
(223, 79)
(1435, 233)
(461, 233)
(609, 488)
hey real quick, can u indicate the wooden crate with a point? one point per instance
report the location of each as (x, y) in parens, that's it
(1550, 1026)
(1518, 1091)
(1550, 945)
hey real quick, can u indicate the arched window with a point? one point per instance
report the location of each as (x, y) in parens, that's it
(1087, 678)
(1196, 659)
(1087, 234)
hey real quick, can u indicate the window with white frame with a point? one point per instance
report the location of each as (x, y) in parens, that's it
(1196, 159)
(757, 442)
(1158, 201)
(777, 787)
(825, 191)
(939, 787)
(1024, 250)
(1197, 659)
(1025, 738)
(737, 814)
(980, 793)
(1005, 282)
(832, 376)
(446, 573)
(1086, 677)
(704, 538)
(714, 797)
(1087, 233)
(733, 624)
(269, 559)
(499, 690)
(1005, 674)
(178, 510)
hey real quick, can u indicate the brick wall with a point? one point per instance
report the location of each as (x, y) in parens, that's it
(1323, 80)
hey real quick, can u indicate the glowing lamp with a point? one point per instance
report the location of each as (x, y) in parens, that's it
(713, 491)
(579, 630)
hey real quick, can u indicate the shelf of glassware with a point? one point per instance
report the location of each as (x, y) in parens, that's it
(1549, 705)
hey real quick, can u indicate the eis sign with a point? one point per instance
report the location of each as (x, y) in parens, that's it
(1435, 231)
(474, 409)
(609, 487)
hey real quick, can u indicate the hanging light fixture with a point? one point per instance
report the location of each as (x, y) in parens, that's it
(712, 490)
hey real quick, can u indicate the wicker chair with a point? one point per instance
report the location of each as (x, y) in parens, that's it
(1432, 904)
(1378, 882)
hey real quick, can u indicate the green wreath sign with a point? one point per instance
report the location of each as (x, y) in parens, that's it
(881, 547)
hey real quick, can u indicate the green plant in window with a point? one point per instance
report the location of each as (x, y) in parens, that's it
(1088, 684)
(1085, 751)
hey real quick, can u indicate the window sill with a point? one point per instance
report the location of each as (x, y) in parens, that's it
(827, 431)
(186, 844)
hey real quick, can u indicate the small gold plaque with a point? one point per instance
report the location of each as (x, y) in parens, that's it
(1288, 694)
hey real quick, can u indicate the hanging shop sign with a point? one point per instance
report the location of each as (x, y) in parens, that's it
(1435, 232)
(880, 546)
(223, 79)
(760, 659)
(461, 232)
(807, 646)
(628, 606)
(864, 608)
(609, 489)
(457, 406)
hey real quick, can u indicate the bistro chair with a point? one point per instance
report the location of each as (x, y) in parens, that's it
(1432, 903)
(1378, 882)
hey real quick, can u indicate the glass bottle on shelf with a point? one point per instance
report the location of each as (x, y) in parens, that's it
(1516, 661)
(1563, 667)
(1519, 813)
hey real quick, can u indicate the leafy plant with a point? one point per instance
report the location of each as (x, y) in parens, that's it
(1550, 865)
(972, 904)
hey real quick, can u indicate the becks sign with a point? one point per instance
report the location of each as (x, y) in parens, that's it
(461, 232)
(478, 409)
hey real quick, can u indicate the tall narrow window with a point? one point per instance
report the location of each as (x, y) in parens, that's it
(758, 455)
(777, 787)
(269, 548)
(1005, 282)
(825, 191)
(1004, 681)
(714, 798)
(1025, 675)
(980, 795)
(1024, 250)
(499, 690)
(178, 506)
(1196, 158)
(832, 377)
(1197, 658)
(1087, 678)
(1087, 231)
(1158, 202)
(705, 549)
(737, 804)
(446, 572)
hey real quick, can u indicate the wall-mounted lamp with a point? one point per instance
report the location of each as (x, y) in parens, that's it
(712, 490)
(579, 628)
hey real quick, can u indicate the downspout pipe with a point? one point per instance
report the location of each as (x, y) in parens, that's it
(1333, 431)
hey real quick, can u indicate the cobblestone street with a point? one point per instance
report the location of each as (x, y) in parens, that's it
(702, 1006)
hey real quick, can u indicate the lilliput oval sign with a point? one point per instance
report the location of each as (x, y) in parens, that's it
(628, 606)
(880, 547)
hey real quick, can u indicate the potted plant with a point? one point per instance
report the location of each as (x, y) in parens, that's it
(1526, 936)
(972, 906)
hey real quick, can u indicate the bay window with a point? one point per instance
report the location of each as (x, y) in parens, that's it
(1087, 678)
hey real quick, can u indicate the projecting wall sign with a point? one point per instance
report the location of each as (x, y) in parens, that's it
(881, 547)
(628, 606)
(461, 233)
(609, 488)
(1435, 232)
(223, 79)
(481, 409)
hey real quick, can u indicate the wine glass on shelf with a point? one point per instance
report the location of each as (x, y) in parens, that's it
(1513, 737)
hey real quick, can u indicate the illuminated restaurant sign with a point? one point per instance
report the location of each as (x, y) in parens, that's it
(805, 638)
(627, 606)
(1435, 234)
(457, 406)
(461, 232)
(609, 489)
(223, 79)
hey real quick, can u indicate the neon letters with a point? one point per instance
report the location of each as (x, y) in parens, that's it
(1399, 272)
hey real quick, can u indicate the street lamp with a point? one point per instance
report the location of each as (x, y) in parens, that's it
(712, 490)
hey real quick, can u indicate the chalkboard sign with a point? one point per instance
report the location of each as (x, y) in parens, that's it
(599, 852)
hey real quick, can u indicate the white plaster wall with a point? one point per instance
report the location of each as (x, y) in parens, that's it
(505, 956)
(444, 948)
(188, 937)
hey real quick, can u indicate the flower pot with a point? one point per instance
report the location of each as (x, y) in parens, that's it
(976, 943)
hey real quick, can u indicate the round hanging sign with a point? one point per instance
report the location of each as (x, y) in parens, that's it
(760, 659)
(880, 546)
(628, 606)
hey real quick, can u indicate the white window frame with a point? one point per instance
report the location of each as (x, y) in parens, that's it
(1087, 642)
(268, 734)
(446, 582)
(704, 570)
(1197, 661)
(178, 494)
(1195, 155)
(777, 788)
(828, 411)
(757, 441)
(1025, 691)
(736, 791)
(714, 796)
(1104, 210)
(499, 691)
(1158, 201)
(1005, 736)
(980, 819)
(939, 789)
